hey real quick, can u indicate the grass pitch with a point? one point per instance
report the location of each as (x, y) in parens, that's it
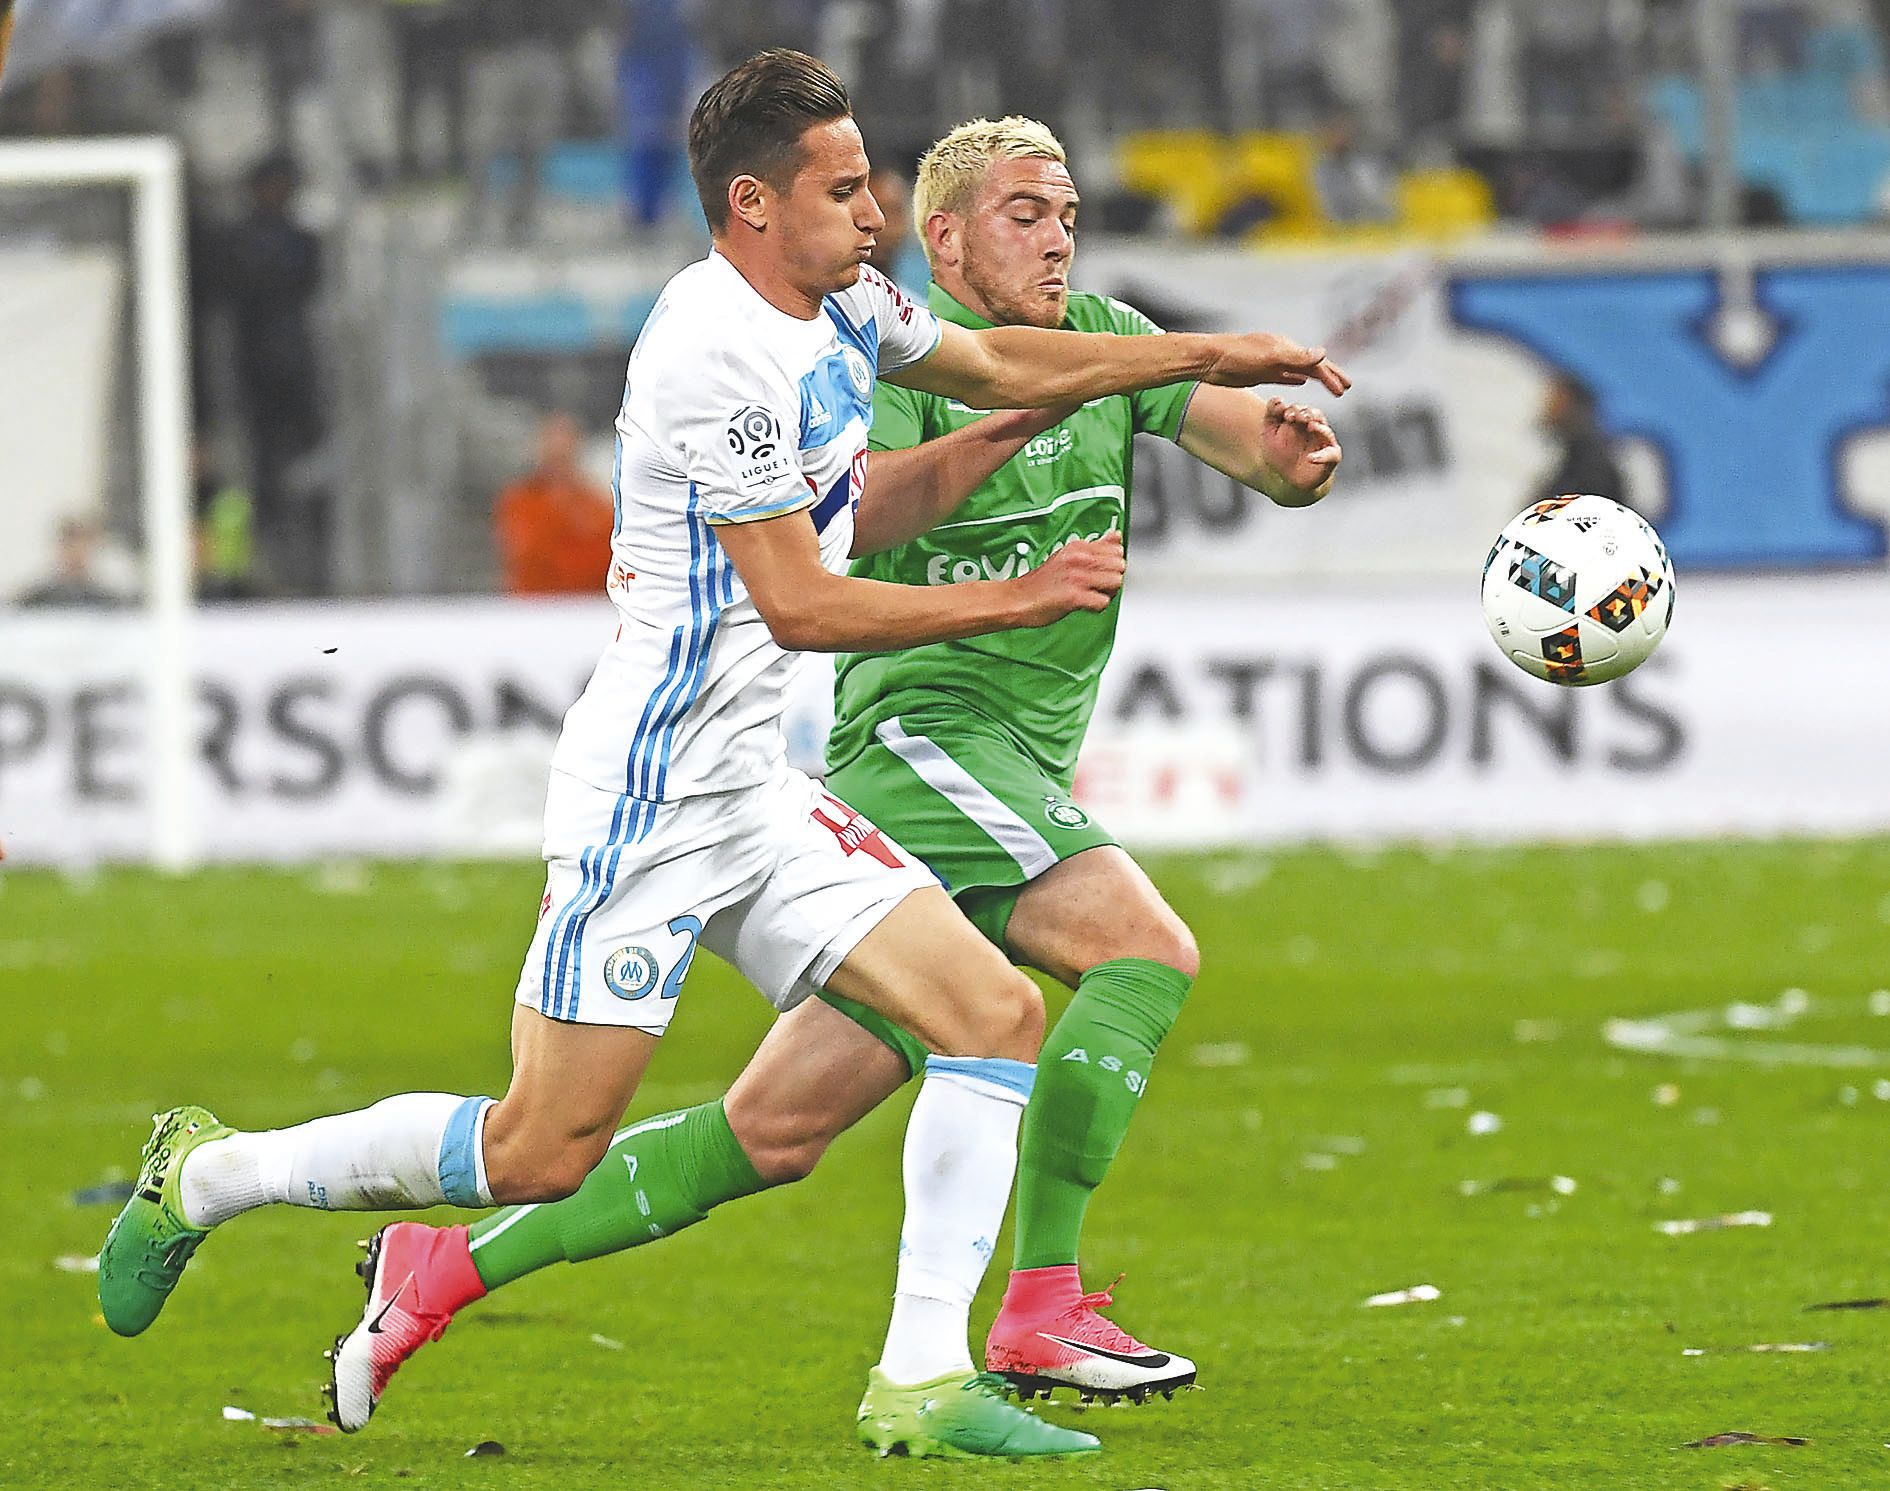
(1306, 1143)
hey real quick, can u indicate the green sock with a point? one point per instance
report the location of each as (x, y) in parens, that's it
(1092, 1072)
(659, 1176)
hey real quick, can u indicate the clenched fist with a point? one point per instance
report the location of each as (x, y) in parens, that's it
(1083, 575)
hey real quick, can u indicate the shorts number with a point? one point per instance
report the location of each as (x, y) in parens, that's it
(682, 926)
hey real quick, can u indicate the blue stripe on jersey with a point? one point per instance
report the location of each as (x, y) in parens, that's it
(651, 724)
(866, 337)
(713, 586)
(550, 979)
(643, 750)
(625, 829)
(706, 605)
(833, 504)
(616, 490)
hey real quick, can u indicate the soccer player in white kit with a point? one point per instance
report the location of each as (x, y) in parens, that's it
(673, 820)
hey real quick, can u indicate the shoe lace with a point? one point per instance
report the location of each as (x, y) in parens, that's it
(987, 1382)
(1114, 1336)
(1102, 1299)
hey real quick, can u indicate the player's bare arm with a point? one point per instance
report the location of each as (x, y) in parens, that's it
(808, 608)
(910, 491)
(1027, 367)
(1287, 451)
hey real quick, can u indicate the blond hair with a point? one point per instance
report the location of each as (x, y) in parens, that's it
(951, 171)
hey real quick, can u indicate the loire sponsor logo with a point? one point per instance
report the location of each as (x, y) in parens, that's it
(1049, 447)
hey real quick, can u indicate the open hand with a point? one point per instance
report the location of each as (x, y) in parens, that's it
(1262, 357)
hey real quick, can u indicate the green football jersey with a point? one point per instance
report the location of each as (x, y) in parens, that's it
(1071, 482)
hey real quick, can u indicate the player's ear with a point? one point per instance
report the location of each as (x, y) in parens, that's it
(945, 233)
(748, 200)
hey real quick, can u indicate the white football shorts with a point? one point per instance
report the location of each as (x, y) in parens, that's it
(782, 880)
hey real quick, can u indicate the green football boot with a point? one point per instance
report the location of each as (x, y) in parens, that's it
(149, 1244)
(959, 1417)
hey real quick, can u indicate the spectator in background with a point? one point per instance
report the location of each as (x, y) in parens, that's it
(896, 251)
(266, 270)
(1285, 40)
(226, 549)
(428, 61)
(1584, 462)
(75, 580)
(517, 72)
(1356, 182)
(1433, 51)
(553, 525)
(654, 67)
(1568, 64)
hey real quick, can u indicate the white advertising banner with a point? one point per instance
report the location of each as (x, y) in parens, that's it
(1687, 347)
(424, 729)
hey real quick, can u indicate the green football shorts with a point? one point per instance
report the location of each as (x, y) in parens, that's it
(959, 793)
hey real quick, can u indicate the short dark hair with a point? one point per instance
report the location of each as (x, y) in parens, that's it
(751, 123)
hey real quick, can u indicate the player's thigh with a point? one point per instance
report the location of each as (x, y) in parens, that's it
(629, 886)
(830, 877)
(1092, 908)
(816, 1074)
(969, 802)
(925, 968)
(845, 908)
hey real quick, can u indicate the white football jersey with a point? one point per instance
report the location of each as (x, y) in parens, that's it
(734, 411)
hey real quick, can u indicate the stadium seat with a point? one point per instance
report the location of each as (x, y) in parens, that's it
(1278, 168)
(1187, 168)
(1445, 203)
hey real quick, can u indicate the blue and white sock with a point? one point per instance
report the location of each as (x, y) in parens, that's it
(960, 1158)
(416, 1149)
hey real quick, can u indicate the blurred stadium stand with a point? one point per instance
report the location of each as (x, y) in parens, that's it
(454, 306)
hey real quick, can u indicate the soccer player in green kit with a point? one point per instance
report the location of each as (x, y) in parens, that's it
(964, 754)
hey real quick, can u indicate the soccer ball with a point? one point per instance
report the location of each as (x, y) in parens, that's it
(1578, 590)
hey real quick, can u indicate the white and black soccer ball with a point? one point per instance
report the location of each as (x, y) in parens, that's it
(1578, 590)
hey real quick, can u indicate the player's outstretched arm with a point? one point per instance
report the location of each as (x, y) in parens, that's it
(1025, 367)
(910, 491)
(810, 609)
(1287, 451)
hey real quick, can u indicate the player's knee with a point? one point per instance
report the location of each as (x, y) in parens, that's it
(787, 1159)
(1182, 953)
(542, 1169)
(1169, 942)
(1014, 1019)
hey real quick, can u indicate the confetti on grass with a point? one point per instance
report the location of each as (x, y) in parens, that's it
(1685, 1225)
(1417, 1294)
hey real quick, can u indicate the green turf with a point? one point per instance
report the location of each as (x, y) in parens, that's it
(1343, 997)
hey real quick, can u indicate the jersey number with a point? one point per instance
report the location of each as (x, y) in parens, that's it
(682, 926)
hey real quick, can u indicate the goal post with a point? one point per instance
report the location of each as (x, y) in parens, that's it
(150, 170)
